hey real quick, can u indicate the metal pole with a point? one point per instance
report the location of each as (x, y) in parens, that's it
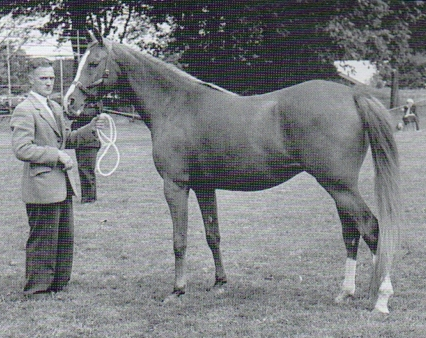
(395, 89)
(9, 83)
(78, 45)
(61, 64)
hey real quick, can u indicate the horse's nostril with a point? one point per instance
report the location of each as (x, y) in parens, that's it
(70, 101)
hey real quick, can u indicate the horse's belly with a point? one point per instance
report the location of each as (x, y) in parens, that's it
(248, 176)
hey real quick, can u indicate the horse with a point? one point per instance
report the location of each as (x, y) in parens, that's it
(206, 138)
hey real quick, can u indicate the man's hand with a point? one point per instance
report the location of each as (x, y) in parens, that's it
(66, 160)
(99, 121)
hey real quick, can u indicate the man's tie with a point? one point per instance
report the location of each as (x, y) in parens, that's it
(55, 116)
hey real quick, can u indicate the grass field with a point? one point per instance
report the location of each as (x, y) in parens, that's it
(282, 249)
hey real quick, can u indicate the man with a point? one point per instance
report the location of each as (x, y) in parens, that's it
(39, 135)
(86, 155)
(410, 114)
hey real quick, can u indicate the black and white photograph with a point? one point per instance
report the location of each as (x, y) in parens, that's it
(212, 168)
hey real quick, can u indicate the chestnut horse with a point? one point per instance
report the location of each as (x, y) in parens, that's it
(206, 138)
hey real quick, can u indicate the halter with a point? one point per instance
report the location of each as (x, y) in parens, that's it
(100, 82)
(106, 141)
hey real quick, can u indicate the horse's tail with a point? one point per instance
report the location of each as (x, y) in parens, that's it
(376, 120)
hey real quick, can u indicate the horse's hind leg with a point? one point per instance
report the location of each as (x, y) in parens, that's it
(357, 220)
(208, 206)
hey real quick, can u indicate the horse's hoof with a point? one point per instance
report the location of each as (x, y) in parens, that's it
(380, 309)
(382, 304)
(220, 282)
(173, 297)
(343, 297)
(218, 288)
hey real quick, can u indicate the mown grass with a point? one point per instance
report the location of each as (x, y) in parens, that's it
(282, 250)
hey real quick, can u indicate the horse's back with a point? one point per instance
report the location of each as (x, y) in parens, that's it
(316, 95)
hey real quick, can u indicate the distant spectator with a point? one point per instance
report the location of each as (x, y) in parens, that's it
(410, 114)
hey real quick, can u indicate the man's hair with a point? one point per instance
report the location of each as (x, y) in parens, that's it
(35, 63)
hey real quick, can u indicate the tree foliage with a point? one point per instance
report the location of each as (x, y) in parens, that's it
(72, 18)
(382, 32)
(256, 46)
(13, 34)
(253, 46)
(18, 71)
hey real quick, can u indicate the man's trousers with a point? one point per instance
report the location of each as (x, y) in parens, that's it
(49, 250)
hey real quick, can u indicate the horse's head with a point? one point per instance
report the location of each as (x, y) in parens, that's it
(96, 74)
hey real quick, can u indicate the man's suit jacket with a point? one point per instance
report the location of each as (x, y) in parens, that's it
(36, 140)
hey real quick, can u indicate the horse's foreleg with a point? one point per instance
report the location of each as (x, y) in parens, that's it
(348, 286)
(177, 199)
(208, 206)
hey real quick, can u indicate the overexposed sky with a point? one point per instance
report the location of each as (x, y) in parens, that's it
(48, 48)
(20, 29)
(362, 70)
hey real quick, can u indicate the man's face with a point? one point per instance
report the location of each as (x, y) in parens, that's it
(42, 80)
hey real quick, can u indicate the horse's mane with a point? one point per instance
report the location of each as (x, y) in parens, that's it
(173, 69)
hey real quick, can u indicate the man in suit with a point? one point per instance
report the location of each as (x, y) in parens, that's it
(39, 137)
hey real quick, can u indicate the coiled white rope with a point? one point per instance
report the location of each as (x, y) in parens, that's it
(106, 143)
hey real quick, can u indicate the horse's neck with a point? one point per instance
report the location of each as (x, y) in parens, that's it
(152, 86)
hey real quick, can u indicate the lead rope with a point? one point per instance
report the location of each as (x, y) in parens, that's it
(106, 143)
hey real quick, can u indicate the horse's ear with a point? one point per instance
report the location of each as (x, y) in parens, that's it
(94, 36)
(98, 36)
(90, 37)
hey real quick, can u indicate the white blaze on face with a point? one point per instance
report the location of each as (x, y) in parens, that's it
(77, 78)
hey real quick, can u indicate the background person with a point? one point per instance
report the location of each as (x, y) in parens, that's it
(86, 155)
(410, 114)
(39, 135)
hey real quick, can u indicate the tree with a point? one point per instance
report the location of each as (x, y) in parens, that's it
(72, 18)
(253, 46)
(279, 43)
(250, 46)
(217, 40)
(13, 34)
(382, 32)
(18, 71)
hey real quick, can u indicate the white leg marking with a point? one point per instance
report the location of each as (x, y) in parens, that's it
(385, 292)
(348, 286)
